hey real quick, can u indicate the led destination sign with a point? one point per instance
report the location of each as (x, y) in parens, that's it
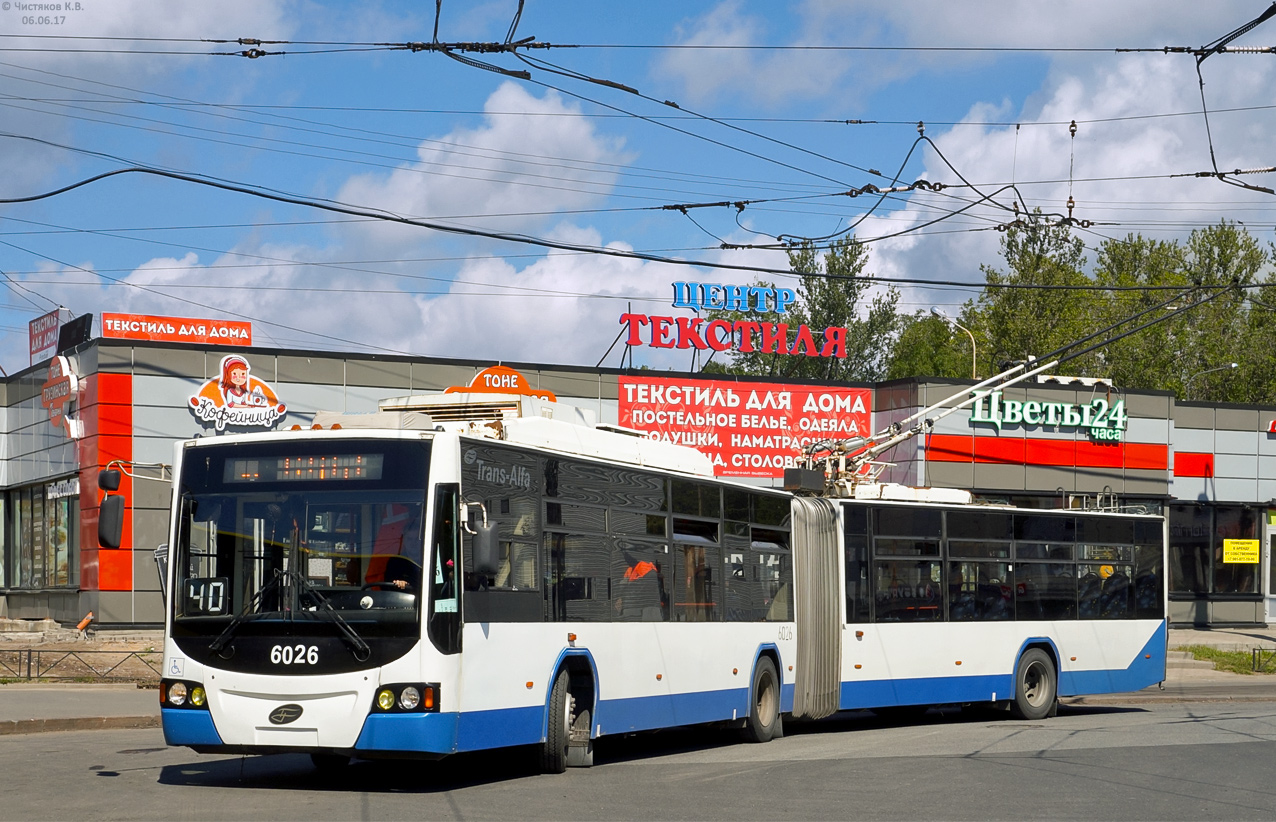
(305, 469)
(1105, 421)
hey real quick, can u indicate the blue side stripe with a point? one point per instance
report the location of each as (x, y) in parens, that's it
(1147, 668)
(939, 690)
(648, 712)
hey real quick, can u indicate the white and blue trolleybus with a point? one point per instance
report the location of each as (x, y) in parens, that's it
(404, 584)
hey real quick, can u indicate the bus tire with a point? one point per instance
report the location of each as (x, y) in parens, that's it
(1036, 685)
(558, 732)
(764, 723)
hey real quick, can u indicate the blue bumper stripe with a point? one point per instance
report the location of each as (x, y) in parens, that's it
(477, 730)
(188, 727)
(419, 733)
(1147, 668)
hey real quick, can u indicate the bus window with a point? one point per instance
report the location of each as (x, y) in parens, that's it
(980, 591)
(1149, 582)
(855, 538)
(979, 525)
(907, 522)
(1045, 590)
(696, 499)
(908, 590)
(739, 583)
(580, 577)
(444, 622)
(1055, 535)
(695, 587)
(773, 597)
(639, 574)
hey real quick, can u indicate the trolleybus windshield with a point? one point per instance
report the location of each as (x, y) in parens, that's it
(300, 541)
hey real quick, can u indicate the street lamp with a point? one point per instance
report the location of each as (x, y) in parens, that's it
(941, 315)
(1188, 384)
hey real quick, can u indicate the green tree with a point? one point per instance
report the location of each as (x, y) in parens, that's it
(928, 346)
(823, 302)
(1225, 329)
(1143, 359)
(1017, 323)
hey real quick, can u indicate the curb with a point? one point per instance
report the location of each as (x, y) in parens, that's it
(1096, 702)
(100, 723)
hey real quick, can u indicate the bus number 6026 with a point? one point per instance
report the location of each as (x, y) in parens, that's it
(294, 654)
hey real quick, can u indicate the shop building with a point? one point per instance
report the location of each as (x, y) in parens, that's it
(1058, 443)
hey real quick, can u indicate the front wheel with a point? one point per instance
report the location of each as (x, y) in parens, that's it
(1036, 685)
(764, 723)
(558, 732)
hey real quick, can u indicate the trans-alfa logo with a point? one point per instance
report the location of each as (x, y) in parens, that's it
(236, 398)
(512, 475)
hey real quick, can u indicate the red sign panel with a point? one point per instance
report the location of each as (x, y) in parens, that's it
(176, 329)
(748, 429)
(44, 334)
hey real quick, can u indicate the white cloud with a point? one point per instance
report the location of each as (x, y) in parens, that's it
(102, 68)
(539, 316)
(509, 165)
(771, 78)
(766, 78)
(1142, 152)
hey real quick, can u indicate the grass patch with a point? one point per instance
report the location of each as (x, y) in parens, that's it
(1236, 662)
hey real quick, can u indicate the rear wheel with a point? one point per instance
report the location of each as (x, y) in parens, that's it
(558, 732)
(764, 722)
(1036, 685)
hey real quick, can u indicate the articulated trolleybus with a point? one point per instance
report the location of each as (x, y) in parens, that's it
(412, 584)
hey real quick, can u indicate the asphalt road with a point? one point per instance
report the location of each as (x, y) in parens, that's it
(1171, 760)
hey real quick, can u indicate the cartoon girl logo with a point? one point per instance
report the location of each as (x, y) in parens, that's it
(237, 398)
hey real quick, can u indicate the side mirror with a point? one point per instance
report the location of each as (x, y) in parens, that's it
(486, 553)
(110, 521)
(108, 479)
(161, 563)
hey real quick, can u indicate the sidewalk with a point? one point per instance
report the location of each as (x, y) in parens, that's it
(36, 707)
(1245, 638)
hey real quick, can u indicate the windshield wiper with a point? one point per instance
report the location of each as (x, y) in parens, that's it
(360, 648)
(249, 612)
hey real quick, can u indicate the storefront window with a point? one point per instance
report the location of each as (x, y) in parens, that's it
(1189, 549)
(46, 540)
(1197, 559)
(1234, 578)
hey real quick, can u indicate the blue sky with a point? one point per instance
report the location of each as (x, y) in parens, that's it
(422, 135)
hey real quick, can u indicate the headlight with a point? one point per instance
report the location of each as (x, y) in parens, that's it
(410, 698)
(177, 694)
(385, 699)
(198, 697)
